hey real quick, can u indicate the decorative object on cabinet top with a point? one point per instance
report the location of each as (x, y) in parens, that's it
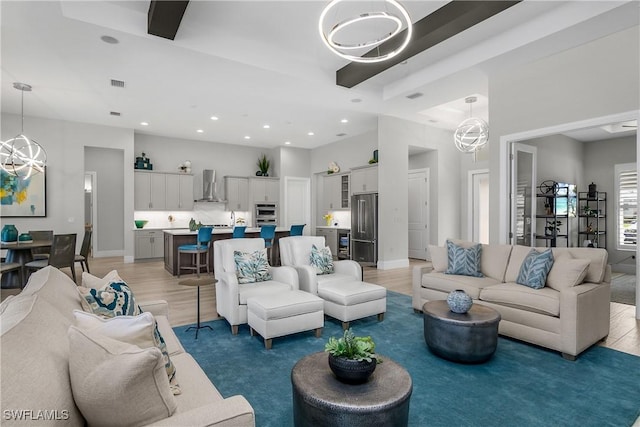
(185, 167)
(333, 168)
(143, 162)
(374, 159)
(263, 164)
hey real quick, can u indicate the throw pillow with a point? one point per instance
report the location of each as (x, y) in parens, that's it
(91, 281)
(463, 261)
(438, 258)
(252, 267)
(567, 272)
(116, 383)
(535, 268)
(321, 259)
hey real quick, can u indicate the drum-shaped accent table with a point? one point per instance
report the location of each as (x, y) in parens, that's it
(319, 399)
(471, 337)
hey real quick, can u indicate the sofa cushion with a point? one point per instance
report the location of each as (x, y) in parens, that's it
(117, 384)
(598, 258)
(174, 346)
(518, 254)
(439, 258)
(535, 268)
(545, 300)
(248, 290)
(494, 259)
(52, 285)
(115, 299)
(351, 293)
(334, 279)
(91, 281)
(463, 261)
(567, 272)
(448, 282)
(321, 259)
(252, 267)
(197, 389)
(301, 248)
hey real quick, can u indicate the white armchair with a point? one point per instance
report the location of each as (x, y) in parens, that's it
(346, 297)
(231, 296)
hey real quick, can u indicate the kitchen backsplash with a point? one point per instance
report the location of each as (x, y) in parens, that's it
(206, 213)
(342, 218)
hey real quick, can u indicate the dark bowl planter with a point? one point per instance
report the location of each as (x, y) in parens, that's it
(351, 371)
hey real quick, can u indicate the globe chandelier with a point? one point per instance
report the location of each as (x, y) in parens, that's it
(473, 133)
(21, 156)
(383, 25)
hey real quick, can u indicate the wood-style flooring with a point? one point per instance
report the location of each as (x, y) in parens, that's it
(149, 280)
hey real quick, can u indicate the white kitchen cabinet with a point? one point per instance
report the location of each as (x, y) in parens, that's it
(265, 190)
(330, 238)
(336, 192)
(179, 192)
(237, 191)
(149, 244)
(364, 179)
(150, 191)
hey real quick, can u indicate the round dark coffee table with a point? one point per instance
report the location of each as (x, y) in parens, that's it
(471, 337)
(319, 399)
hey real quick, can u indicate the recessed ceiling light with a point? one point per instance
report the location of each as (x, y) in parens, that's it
(200, 131)
(310, 133)
(144, 123)
(109, 39)
(247, 137)
(266, 127)
(214, 118)
(344, 121)
(287, 143)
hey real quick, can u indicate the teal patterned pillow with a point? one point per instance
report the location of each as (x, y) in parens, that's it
(321, 259)
(535, 268)
(252, 267)
(463, 261)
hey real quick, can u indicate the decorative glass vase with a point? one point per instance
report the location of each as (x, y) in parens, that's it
(351, 371)
(459, 301)
(9, 233)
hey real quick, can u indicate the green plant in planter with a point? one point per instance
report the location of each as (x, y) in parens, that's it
(352, 347)
(263, 164)
(553, 227)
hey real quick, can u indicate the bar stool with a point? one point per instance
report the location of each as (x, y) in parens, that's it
(296, 230)
(238, 231)
(268, 233)
(201, 247)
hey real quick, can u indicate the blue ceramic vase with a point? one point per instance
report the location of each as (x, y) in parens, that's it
(9, 233)
(459, 301)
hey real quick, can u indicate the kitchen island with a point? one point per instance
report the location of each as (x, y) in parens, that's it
(183, 236)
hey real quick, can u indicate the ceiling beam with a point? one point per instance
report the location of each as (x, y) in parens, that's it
(163, 18)
(446, 22)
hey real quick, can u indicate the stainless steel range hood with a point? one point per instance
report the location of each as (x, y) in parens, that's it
(210, 187)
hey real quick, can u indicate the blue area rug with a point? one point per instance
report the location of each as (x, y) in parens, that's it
(522, 385)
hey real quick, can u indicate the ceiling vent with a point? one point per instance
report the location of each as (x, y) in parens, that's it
(415, 95)
(117, 83)
(341, 134)
(115, 113)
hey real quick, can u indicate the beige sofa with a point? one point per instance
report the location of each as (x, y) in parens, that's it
(35, 363)
(568, 315)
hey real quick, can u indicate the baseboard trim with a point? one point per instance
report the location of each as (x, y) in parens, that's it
(624, 268)
(396, 263)
(106, 254)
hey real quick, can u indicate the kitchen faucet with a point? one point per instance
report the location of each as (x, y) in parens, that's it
(233, 218)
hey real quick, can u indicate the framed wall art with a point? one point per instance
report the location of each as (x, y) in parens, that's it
(23, 197)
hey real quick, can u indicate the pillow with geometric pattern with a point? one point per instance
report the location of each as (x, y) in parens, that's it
(321, 259)
(252, 267)
(463, 261)
(535, 268)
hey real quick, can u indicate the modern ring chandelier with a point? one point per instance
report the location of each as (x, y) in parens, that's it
(21, 156)
(386, 23)
(473, 133)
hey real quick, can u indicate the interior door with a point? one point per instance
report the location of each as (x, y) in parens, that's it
(297, 206)
(523, 194)
(479, 206)
(418, 225)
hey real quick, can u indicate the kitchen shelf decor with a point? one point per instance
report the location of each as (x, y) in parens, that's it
(559, 203)
(592, 214)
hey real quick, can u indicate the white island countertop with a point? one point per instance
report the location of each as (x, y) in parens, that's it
(216, 230)
(334, 226)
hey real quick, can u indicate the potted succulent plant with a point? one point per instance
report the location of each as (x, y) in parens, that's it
(352, 359)
(263, 165)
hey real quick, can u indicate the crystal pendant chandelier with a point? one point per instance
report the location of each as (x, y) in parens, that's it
(473, 133)
(380, 26)
(21, 156)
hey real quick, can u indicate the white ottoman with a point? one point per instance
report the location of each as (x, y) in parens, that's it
(347, 301)
(284, 313)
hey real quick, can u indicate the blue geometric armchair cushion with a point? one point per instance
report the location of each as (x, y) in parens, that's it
(535, 268)
(463, 261)
(252, 267)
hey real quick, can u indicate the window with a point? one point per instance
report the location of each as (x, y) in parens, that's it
(626, 205)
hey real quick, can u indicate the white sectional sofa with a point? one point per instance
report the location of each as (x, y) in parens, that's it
(568, 315)
(36, 374)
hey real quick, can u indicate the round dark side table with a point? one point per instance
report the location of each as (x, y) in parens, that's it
(319, 399)
(471, 337)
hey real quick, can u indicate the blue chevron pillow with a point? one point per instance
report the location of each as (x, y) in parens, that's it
(535, 268)
(463, 261)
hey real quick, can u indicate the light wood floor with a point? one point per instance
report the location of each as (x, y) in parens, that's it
(149, 280)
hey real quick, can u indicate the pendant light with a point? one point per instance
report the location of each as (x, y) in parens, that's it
(22, 156)
(473, 133)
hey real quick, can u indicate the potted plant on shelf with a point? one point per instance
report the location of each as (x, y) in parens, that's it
(552, 228)
(352, 359)
(263, 165)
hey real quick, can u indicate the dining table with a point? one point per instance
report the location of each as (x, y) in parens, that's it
(19, 252)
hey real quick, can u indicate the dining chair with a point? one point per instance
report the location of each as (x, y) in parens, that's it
(83, 256)
(296, 230)
(238, 231)
(62, 255)
(41, 253)
(6, 267)
(202, 246)
(268, 233)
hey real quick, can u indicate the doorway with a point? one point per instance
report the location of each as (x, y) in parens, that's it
(90, 202)
(478, 227)
(418, 212)
(523, 202)
(297, 201)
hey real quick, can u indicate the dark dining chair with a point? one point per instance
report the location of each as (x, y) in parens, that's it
(41, 253)
(62, 255)
(83, 256)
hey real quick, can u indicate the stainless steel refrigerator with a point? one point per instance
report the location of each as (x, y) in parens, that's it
(364, 228)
